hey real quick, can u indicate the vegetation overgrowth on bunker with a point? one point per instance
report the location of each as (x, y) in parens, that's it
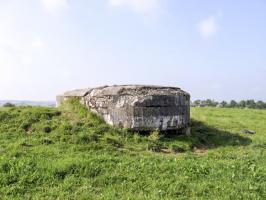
(70, 153)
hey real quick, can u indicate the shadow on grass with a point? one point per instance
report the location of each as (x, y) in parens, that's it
(207, 137)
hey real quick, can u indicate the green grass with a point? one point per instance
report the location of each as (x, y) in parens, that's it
(69, 153)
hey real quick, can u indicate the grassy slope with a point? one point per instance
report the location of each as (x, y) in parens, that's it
(71, 154)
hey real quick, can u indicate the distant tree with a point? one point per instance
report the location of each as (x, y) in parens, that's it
(233, 104)
(208, 102)
(242, 104)
(264, 105)
(197, 103)
(250, 104)
(260, 105)
(9, 105)
(223, 104)
(215, 103)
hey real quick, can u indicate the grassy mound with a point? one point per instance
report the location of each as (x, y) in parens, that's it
(69, 153)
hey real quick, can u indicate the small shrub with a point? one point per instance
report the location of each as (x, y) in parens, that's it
(9, 105)
(154, 146)
(136, 138)
(113, 141)
(5, 116)
(66, 128)
(65, 168)
(89, 124)
(5, 167)
(25, 144)
(57, 113)
(47, 129)
(79, 124)
(25, 126)
(46, 141)
(177, 149)
(60, 174)
(87, 138)
(101, 129)
(155, 135)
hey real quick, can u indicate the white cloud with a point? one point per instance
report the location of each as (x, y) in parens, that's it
(53, 6)
(208, 27)
(140, 6)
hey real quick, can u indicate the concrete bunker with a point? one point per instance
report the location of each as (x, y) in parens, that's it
(137, 107)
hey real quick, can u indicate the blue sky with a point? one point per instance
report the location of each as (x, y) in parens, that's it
(212, 49)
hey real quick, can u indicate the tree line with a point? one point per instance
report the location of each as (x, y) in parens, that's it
(231, 104)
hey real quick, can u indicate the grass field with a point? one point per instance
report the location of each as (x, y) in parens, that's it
(68, 153)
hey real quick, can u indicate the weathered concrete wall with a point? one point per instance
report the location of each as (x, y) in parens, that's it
(137, 107)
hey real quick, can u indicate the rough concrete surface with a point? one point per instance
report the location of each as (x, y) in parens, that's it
(137, 107)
